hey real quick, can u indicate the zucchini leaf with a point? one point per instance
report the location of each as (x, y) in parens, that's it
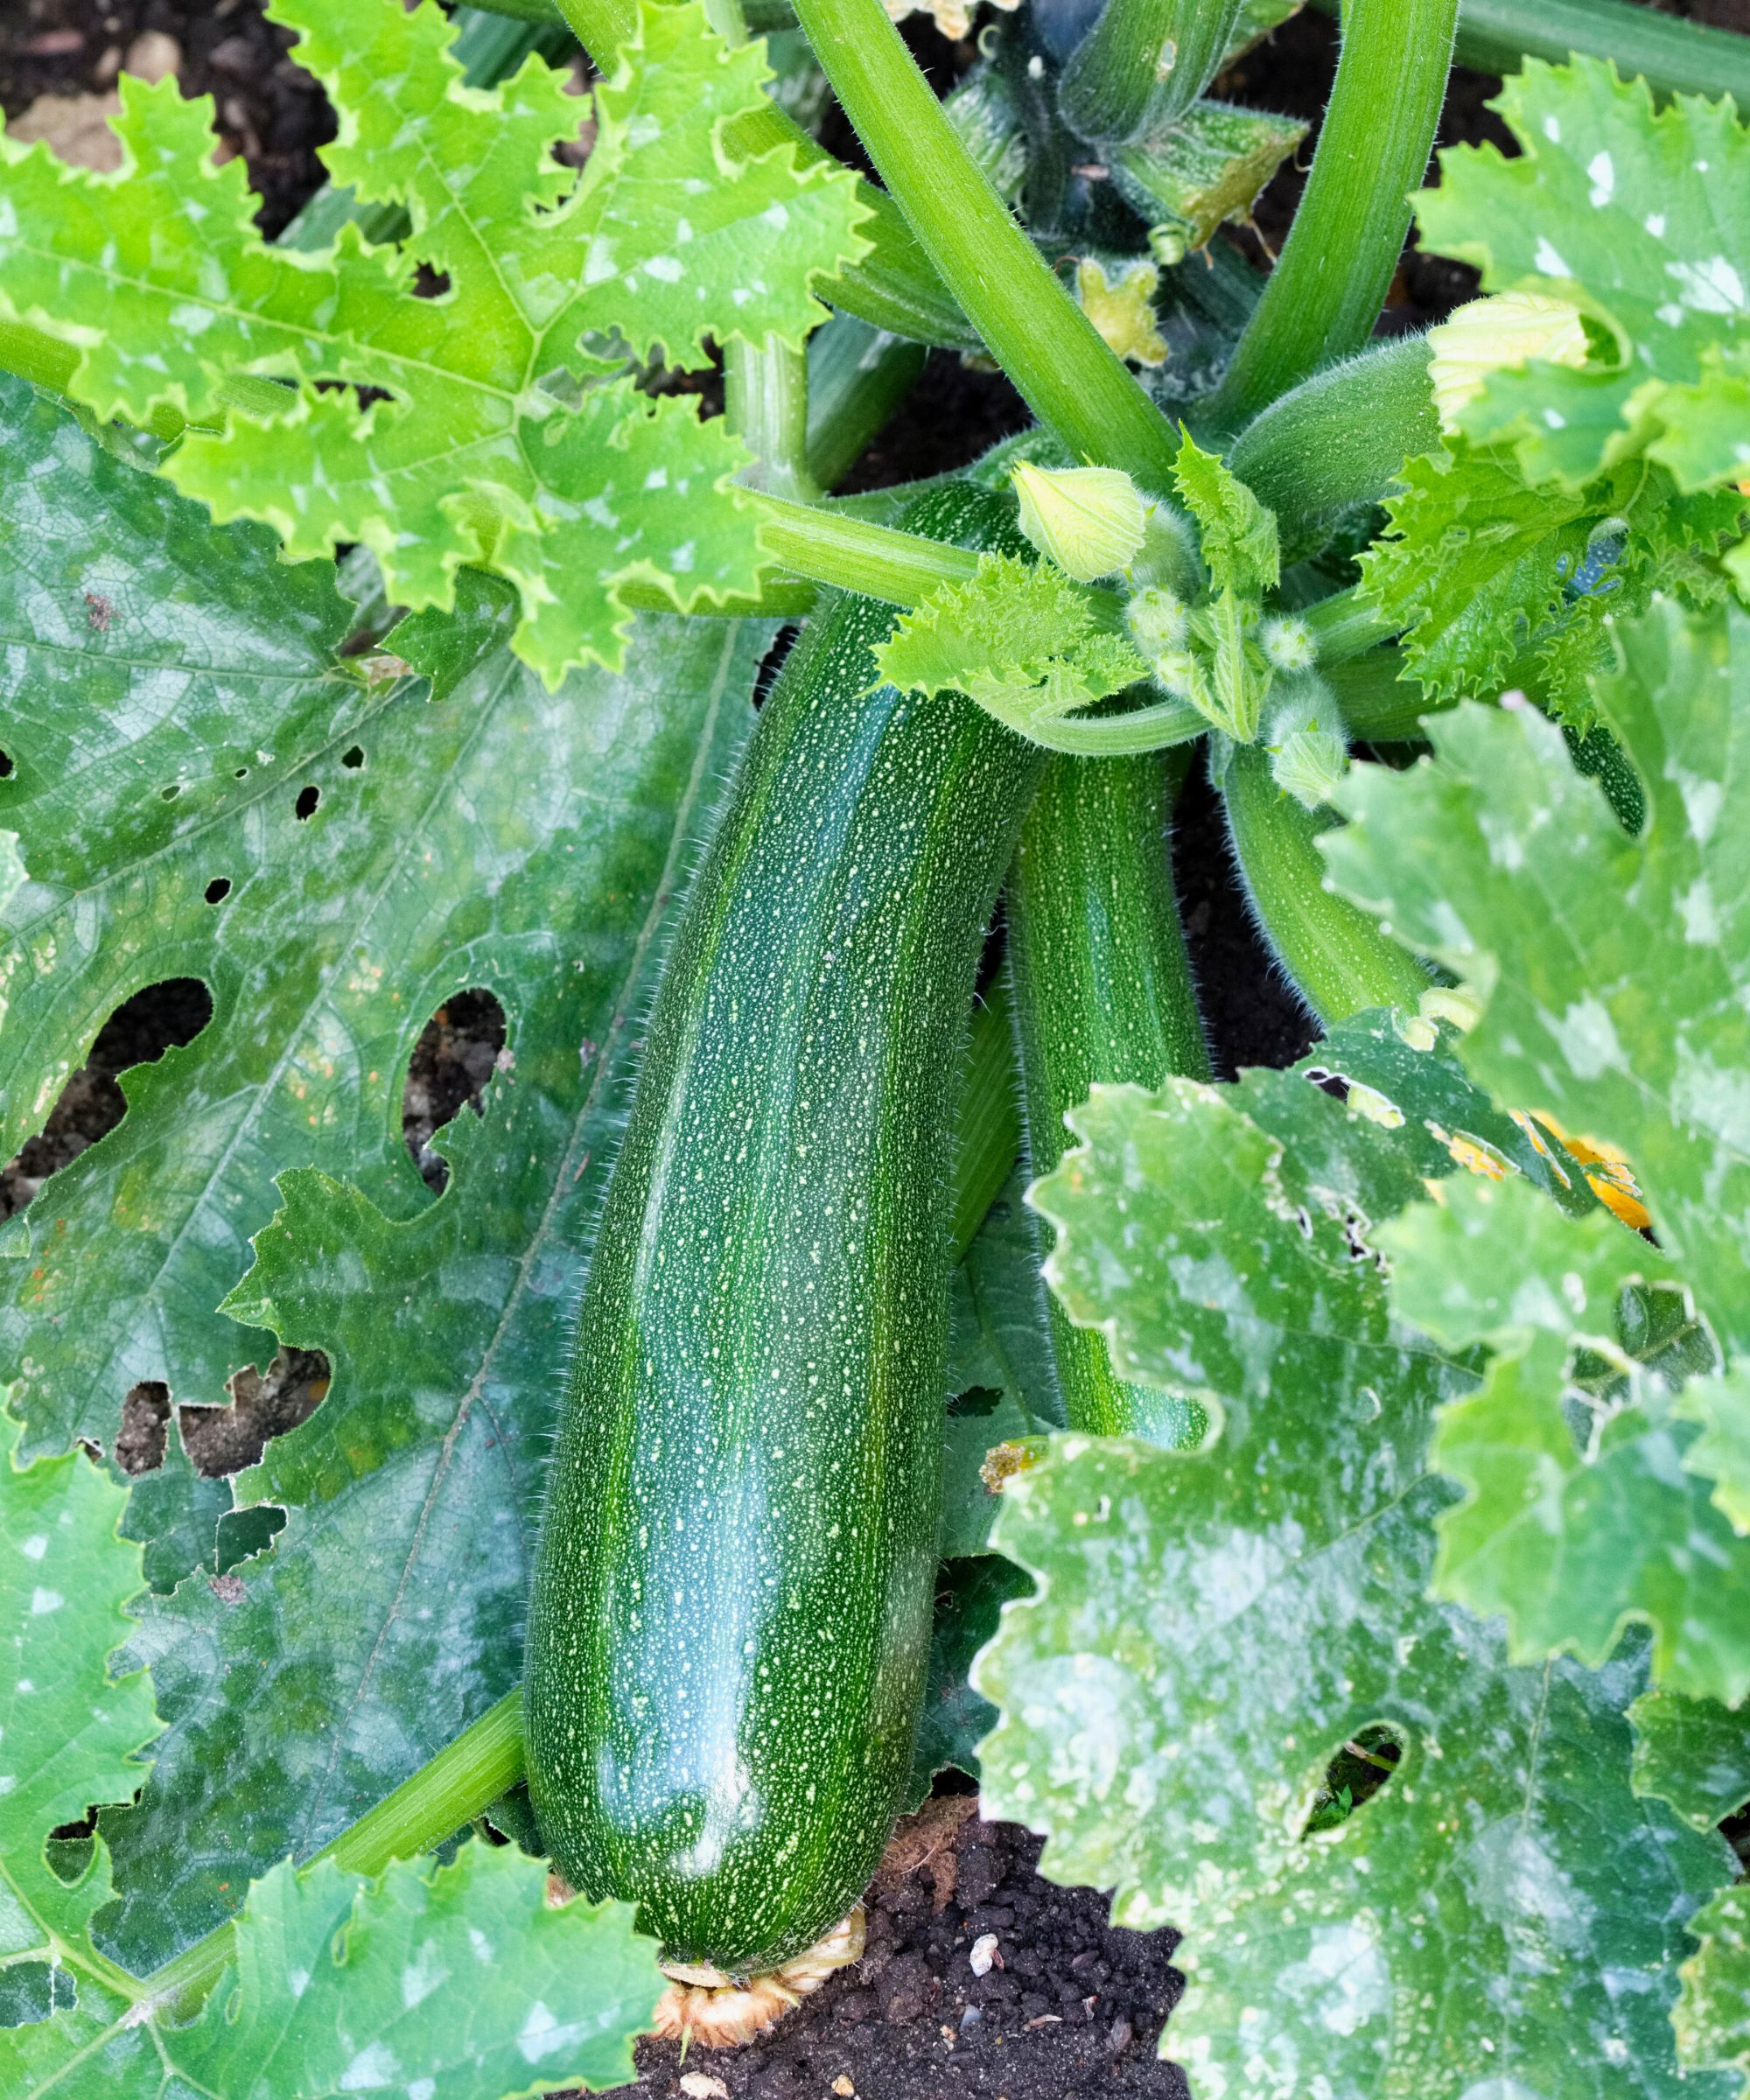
(1019, 639)
(1580, 1514)
(497, 837)
(1497, 582)
(339, 1985)
(1210, 1630)
(1694, 1754)
(1613, 972)
(1639, 216)
(495, 433)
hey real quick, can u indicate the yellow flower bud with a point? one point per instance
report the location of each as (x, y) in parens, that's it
(1493, 335)
(1088, 520)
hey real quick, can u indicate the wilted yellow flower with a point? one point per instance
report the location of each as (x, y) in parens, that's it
(1493, 335)
(1123, 310)
(1088, 520)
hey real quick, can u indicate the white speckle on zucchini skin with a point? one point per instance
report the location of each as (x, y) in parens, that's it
(731, 1615)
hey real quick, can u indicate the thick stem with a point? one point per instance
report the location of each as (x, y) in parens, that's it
(1339, 439)
(462, 1781)
(1144, 62)
(766, 400)
(1043, 341)
(1336, 955)
(1345, 625)
(1326, 293)
(1674, 56)
(899, 568)
(987, 1139)
(1102, 995)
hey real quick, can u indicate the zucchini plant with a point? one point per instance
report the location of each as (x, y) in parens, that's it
(385, 614)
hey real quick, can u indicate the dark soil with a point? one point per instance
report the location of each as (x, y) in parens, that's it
(1073, 2008)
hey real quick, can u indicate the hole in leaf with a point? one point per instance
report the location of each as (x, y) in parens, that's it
(304, 807)
(241, 773)
(463, 1045)
(355, 758)
(430, 283)
(241, 1535)
(170, 793)
(162, 1017)
(145, 1427)
(5, 764)
(69, 1849)
(219, 889)
(34, 1991)
(221, 1440)
(1364, 1765)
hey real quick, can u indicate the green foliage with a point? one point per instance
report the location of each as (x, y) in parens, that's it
(339, 1983)
(1497, 581)
(1635, 214)
(498, 837)
(1210, 1628)
(1239, 539)
(1694, 1754)
(1020, 639)
(504, 440)
(1578, 1517)
(1612, 969)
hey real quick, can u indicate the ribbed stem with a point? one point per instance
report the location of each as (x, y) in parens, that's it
(1044, 342)
(894, 286)
(1144, 62)
(1326, 293)
(1102, 995)
(1336, 955)
(899, 568)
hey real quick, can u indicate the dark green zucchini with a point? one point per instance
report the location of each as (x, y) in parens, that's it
(731, 1615)
(1103, 993)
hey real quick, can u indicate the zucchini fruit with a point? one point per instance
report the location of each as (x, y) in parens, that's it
(1103, 993)
(731, 1615)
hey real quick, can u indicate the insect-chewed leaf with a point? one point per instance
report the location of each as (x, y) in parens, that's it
(1580, 1514)
(1613, 972)
(177, 709)
(1639, 216)
(70, 1733)
(482, 451)
(1212, 1627)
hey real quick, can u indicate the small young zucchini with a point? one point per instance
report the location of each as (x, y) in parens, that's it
(731, 1615)
(1103, 993)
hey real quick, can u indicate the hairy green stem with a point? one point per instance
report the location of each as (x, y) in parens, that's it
(1673, 56)
(987, 1140)
(1334, 953)
(1326, 293)
(1340, 438)
(1043, 341)
(1102, 995)
(894, 286)
(766, 399)
(899, 568)
(462, 1781)
(1144, 62)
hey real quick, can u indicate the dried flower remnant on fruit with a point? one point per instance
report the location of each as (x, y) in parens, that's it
(952, 17)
